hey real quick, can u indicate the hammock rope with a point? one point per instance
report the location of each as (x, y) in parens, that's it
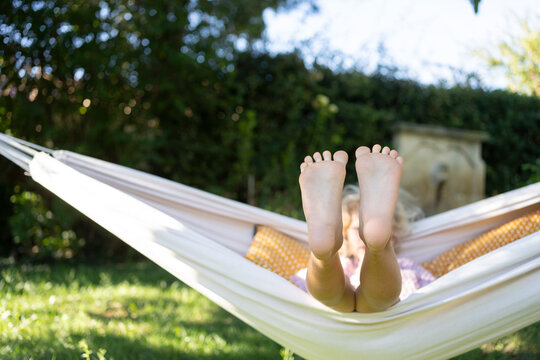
(202, 238)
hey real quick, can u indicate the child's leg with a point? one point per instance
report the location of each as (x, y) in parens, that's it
(379, 173)
(327, 283)
(321, 183)
(380, 281)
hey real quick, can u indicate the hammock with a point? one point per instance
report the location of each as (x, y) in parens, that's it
(202, 238)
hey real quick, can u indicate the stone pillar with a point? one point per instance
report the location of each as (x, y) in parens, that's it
(442, 167)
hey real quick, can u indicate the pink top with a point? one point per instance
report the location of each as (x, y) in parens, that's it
(413, 275)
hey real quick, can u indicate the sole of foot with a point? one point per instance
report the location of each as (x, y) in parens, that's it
(379, 173)
(321, 183)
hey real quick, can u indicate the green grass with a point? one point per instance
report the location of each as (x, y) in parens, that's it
(139, 311)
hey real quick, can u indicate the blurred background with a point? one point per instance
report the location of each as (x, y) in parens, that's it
(228, 96)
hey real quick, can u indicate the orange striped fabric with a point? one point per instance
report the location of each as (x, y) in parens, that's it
(277, 252)
(489, 241)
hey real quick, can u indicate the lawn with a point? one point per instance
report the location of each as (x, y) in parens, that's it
(139, 311)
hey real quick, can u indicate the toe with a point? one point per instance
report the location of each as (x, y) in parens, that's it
(317, 157)
(303, 166)
(399, 159)
(393, 154)
(362, 150)
(308, 160)
(376, 148)
(341, 156)
(327, 155)
(385, 150)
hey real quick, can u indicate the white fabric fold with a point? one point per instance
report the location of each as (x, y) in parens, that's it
(201, 239)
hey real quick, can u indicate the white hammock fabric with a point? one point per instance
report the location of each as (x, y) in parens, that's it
(202, 238)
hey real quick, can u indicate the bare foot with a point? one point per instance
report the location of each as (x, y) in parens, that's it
(379, 173)
(321, 183)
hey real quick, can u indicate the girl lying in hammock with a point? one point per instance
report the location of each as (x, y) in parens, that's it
(369, 232)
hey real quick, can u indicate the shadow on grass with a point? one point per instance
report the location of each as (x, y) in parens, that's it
(478, 354)
(163, 335)
(191, 326)
(178, 340)
(175, 321)
(140, 273)
(522, 345)
(121, 347)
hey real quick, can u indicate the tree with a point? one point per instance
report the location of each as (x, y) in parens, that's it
(134, 77)
(150, 84)
(519, 57)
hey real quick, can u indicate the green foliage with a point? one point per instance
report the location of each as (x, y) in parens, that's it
(39, 233)
(167, 87)
(148, 84)
(475, 4)
(286, 354)
(534, 172)
(512, 121)
(87, 353)
(519, 57)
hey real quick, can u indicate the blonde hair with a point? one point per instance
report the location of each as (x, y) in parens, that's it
(406, 212)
